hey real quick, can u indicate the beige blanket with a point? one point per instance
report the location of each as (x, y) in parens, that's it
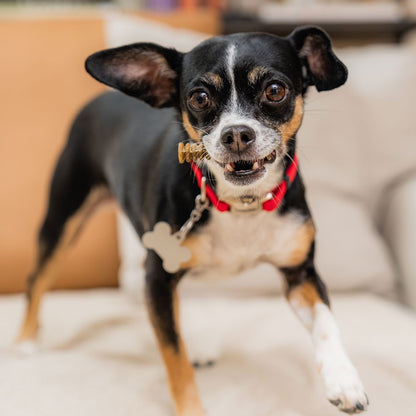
(98, 357)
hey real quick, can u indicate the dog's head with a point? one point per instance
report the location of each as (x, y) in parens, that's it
(241, 95)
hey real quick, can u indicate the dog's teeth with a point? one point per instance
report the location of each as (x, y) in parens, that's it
(229, 167)
(269, 157)
(255, 166)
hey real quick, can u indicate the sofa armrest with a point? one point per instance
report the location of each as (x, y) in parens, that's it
(400, 232)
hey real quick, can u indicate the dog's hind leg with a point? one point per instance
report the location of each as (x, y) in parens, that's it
(308, 298)
(71, 201)
(163, 307)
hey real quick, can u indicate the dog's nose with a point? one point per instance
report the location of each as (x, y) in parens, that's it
(237, 138)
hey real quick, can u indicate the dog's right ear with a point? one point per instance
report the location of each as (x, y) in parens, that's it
(324, 69)
(143, 70)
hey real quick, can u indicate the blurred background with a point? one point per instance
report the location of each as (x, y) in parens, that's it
(357, 150)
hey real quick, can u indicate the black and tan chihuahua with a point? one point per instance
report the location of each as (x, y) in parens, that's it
(241, 202)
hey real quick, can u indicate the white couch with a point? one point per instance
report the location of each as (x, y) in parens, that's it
(358, 156)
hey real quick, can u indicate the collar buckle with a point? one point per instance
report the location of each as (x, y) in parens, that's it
(246, 203)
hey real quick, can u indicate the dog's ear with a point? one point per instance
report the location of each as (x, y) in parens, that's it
(143, 70)
(323, 68)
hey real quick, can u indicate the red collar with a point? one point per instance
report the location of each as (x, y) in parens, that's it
(276, 195)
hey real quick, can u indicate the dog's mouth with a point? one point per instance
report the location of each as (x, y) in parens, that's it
(246, 167)
(247, 170)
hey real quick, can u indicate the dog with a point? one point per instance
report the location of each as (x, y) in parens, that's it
(239, 98)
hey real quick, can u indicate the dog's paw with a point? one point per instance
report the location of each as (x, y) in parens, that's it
(203, 364)
(344, 388)
(203, 358)
(203, 354)
(26, 348)
(204, 348)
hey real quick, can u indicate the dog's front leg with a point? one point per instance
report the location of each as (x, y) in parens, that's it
(308, 297)
(162, 304)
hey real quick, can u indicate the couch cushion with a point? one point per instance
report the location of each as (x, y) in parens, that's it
(98, 357)
(384, 78)
(351, 254)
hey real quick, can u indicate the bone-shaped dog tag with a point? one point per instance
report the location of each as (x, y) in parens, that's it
(167, 245)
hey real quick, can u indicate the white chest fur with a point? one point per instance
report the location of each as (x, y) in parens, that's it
(233, 241)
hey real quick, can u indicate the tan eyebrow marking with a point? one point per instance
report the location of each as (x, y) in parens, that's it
(289, 129)
(213, 79)
(193, 134)
(255, 74)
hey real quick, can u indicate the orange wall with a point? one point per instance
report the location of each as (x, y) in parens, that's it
(42, 85)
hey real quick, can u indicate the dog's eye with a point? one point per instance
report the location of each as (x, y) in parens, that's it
(275, 92)
(199, 100)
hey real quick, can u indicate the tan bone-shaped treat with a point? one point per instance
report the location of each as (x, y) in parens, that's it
(191, 152)
(167, 246)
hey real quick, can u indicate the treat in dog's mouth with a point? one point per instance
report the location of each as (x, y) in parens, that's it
(247, 167)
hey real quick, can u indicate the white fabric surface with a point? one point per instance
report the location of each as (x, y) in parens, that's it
(98, 357)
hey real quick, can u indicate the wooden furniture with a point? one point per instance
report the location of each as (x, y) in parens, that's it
(43, 86)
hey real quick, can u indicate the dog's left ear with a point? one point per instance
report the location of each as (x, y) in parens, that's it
(324, 69)
(142, 70)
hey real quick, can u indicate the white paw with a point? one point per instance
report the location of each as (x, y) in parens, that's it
(202, 357)
(203, 352)
(344, 387)
(26, 348)
(198, 363)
